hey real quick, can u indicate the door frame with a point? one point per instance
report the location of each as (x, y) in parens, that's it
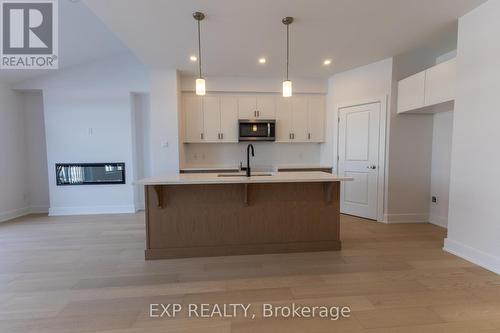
(382, 165)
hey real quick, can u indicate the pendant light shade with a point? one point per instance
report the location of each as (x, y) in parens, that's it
(200, 87)
(200, 81)
(287, 88)
(287, 84)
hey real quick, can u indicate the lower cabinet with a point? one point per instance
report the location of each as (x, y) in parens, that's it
(213, 118)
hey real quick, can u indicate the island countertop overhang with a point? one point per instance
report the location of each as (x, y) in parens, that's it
(258, 178)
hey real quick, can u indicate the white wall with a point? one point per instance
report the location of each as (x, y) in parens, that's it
(164, 122)
(473, 225)
(441, 165)
(140, 149)
(14, 200)
(369, 82)
(88, 119)
(410, 140)
(36, 150)
(23, 166)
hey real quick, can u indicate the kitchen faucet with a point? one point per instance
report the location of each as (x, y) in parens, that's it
(248, 158)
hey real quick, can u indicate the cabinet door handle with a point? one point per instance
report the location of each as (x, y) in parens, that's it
(309, 136)
(222, 136)
(255, 114)
(293, 136)
(258, 114)
(201, 136)
(290, 136)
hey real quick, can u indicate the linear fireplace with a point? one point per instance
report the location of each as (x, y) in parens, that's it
(90, 173)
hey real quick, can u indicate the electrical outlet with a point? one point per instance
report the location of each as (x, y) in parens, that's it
(434, 199)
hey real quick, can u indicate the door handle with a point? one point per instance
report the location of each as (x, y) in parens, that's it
(371, 167)
(201, 136)
(222, 136)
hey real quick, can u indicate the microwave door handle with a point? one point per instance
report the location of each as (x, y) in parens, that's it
(268, 130)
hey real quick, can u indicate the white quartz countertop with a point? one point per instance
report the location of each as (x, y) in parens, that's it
(240, 178)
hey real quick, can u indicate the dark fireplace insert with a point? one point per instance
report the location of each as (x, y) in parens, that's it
(90, 173)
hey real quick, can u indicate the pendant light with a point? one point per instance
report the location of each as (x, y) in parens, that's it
(200, 81)
(287, 84)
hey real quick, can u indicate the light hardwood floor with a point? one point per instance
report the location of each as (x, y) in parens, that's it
(88, 274)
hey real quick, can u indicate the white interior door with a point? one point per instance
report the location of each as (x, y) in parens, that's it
(359, 128)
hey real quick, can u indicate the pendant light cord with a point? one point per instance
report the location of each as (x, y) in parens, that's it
(199, 48)
(287, 50)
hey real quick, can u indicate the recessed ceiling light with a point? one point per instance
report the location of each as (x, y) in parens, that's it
(193, 58)
(327, 62)
(262, 60)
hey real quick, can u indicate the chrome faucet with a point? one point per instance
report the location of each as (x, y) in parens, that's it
(248, 158)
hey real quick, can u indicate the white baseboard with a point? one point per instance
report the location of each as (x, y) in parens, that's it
(15, 213)
(91, 210)
(473, 255)
(406, 218)
(441, 221)
(139, 206)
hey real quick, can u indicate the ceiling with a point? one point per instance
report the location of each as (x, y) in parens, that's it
(82, 38)
(236, 33)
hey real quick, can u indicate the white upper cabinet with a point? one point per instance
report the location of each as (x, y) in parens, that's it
(193, 118)
(283, 119)
(431, 87)
(229, 119)
(411, 92)
(211, 118)
(316, 119)
(440, 83)
(247, 107)
(300, 118)
(300, 128)
(257, 107)
(266, 107)
(214, 118)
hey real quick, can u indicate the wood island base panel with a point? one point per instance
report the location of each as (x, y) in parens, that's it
(195, 220)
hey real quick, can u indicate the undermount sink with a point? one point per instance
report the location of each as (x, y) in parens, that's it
(256, 174)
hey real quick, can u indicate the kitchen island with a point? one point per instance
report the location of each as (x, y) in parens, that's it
(210, 214)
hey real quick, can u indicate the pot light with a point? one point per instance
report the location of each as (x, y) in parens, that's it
(200, 82)
(262, 60)
(193, 58)
(287, 84)
(327, 62)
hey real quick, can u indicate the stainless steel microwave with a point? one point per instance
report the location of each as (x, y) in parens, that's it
(257, 130)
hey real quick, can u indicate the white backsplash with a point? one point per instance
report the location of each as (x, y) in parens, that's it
(267, 154)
